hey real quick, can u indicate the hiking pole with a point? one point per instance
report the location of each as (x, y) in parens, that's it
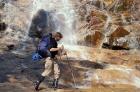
(72, 73)
(73, 77)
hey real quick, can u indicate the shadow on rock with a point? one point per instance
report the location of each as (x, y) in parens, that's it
(89, 64)
(76, 68)
(3, 78)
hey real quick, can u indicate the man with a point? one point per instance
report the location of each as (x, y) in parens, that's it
(48, 49)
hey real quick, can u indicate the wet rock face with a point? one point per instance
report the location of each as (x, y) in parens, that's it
(3, 26)
(106, 16)
(107, 46)
(92, 65)
(2, 78)
(94, 39)
(39, 24)
(93, 15)
(42, 23)
(120, 32)
(95, 20)
(98, 18)
(116, 40)
(14, 20)
(137, 66)
(2, 4)
(10, 47)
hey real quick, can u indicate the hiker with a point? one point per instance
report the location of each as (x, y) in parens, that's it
(48, 49)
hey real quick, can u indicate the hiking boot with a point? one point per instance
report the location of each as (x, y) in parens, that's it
(55, 84)
(37, 83)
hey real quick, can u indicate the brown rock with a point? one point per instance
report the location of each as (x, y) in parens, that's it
(99, 15)
(108, 2)
(94, 39)
(137, 67)
(119, 32)
(95, 20)
(134, 62)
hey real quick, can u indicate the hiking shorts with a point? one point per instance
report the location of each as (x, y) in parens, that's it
(51, 66)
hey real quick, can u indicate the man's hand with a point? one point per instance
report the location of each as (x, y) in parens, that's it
(61, 48)
(64, 52)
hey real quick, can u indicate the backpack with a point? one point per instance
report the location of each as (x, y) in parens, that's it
(44, 45)
(36, 57)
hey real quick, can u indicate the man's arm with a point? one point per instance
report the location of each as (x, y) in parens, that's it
(55, 49)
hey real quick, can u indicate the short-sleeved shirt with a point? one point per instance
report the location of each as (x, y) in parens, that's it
(46, 43)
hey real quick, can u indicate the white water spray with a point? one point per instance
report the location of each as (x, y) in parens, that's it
(63, 12)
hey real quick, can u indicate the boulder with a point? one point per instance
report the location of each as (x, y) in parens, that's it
(120, 32)
(117, 40)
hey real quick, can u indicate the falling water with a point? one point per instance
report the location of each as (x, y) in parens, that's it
(63, 12)
(106, 28)
(123, 19)
(102, 4)
(63, 15)
(12, 18)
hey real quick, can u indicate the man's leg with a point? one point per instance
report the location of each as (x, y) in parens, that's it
(47, 71)
(37, 83)
(48, 67)
(56, 74)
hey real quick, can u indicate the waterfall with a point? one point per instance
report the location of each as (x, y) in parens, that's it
(62, 12)
(64, 15)
(106, 29)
